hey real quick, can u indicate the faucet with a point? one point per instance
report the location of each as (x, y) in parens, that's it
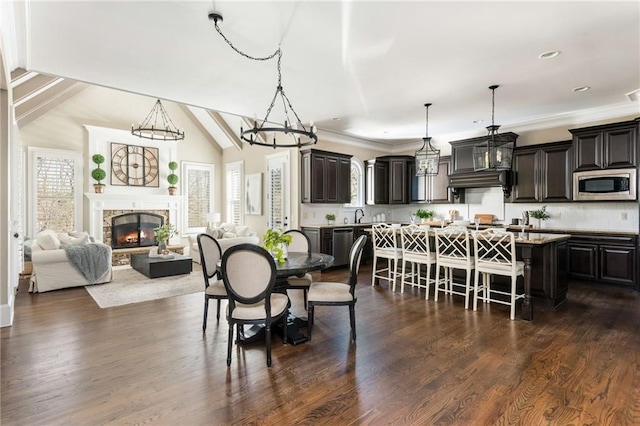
(356, 218)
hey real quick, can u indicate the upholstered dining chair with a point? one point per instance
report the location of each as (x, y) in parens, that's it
(210, 255)
(299, 243)
(386, 245)
(453, 252)
(338, 294)
(249, 275)
(495, 254)
(416, 250)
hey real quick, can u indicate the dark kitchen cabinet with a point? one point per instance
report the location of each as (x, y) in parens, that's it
(388, 180)
(320, 239)
(542, 173)
(432, 189)
(377, 181)
(609, 259)
(607, 146)
(325, 177)
(462, 152)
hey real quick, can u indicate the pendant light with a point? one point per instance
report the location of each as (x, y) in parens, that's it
(158, 126)
(427, 157)
(495, 153)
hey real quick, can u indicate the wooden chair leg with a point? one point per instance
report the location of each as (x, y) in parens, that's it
(352, 318)
(309, 320)
(218, 313)
(229, 344)
(206, 311)
(268, 341)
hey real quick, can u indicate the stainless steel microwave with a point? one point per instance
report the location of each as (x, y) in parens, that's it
(605, 185)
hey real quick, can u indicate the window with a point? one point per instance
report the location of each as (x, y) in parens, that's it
(357, 184)
(278, 200)
(55, 190)
(233, 193)
(197, 187)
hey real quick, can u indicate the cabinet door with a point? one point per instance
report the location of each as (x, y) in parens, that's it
(331, 182)
(439, 184)
(327, 241)
(305, 174)
(318, 190)
(344, 180)
(526, 167)
(381, 182)
(620, 147)
(418, 184)
(314, 238)
(398, 183)
(588, 150)
(462, 157)
(582, 261)
(555, 176)
(617, 265)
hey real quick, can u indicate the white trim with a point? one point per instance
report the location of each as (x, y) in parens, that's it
(7, 312)
(285, 158)
(236, 165)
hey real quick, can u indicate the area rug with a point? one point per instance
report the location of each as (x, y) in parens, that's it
(129, 286)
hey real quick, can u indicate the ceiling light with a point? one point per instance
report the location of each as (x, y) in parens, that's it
(336, 119)
(581, 89)
(427, 157)
(158, 126)
(477, 121)
(495, 153)
(293, 133)
(635, 95)
(549, 55)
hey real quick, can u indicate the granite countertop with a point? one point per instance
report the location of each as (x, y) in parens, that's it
(515, 228)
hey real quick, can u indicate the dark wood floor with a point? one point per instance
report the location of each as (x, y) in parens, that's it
(65, 361)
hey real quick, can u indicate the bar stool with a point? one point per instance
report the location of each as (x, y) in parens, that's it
(495, 253)
(416, 250)
(385, 246)
(453, 252)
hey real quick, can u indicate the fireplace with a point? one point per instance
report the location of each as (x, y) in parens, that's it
(134, 229)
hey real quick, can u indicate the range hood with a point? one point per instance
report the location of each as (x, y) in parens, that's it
(486, 179)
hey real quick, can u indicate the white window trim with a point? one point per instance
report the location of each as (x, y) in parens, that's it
(33, 154)
(188, 166)
(360, 203)
(236, 165)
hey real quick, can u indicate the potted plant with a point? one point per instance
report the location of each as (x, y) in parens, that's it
(425, 215)
(330, 218)
(538, 215)
(172, 178)
(276, 243)
(98, 174)
(163, 234)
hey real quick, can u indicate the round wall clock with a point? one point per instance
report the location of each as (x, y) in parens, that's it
(133, 165)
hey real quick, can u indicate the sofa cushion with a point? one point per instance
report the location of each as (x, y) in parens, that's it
(229, 235)
(228, 227)
(66, 239)
(215, 232)
(80, 234)
(48, 240)
(243, 231)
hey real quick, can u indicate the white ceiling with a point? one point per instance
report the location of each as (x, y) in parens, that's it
(372, 64)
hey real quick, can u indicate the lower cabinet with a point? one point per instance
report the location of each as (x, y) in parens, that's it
(607, 259)
(320, 239)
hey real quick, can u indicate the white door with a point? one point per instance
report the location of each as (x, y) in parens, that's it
(278, 199)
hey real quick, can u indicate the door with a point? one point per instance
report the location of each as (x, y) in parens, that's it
(278, 200)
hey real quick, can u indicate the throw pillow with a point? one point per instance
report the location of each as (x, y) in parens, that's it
(228, 227)
(80, 234)
(229, 235)
(216, 233)
(48, 240)
(66, 239)
(243, 231)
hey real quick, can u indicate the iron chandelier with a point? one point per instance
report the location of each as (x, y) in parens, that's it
(158, 126)
(495, 153)
(427, 157)
(296, 133)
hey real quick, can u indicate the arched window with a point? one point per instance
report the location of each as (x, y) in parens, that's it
(357, 184)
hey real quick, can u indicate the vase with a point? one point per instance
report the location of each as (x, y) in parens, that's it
(162, 248)
(536, 223)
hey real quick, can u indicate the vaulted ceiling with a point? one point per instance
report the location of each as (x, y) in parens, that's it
(361, 70)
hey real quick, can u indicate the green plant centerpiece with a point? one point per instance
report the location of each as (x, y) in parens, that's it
(275, 242)
(172, 178)
(425, 215)
(330, 218)
(540, 214)
(163, 234)
(98, 173)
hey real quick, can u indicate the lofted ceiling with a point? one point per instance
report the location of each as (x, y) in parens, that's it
(360, 70)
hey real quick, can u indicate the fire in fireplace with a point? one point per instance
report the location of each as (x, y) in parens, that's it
(134, 230)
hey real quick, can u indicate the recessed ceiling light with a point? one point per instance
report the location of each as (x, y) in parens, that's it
(336, 119)
(548, 55)
(581, 89)
(477, 121)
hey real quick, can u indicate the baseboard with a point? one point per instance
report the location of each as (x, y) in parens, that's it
(6, 312)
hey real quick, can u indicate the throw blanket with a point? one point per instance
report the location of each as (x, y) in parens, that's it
(91, 260)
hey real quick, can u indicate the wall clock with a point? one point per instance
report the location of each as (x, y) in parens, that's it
(133, 165)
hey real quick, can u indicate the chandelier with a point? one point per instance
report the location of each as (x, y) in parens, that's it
(427, 157)
(158, 126)
(495, 153)
(293, 133)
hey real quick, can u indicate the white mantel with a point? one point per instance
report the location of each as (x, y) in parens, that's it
(100, 202)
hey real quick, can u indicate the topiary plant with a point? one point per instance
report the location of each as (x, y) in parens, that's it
(98, 174)
(172, 178)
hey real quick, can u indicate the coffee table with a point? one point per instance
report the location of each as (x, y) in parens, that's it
(156, 267)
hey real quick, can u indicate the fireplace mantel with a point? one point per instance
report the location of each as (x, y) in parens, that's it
(134, 202)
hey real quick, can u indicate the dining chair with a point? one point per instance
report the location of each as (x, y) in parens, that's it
(495, 254)
(299, 243)
(210, 255)
(453, 252)
(385, 246)
(249, 275)
(338, 294)
(416, 250)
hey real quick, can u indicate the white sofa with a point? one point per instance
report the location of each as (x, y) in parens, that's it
(227, 235)
(52, 269)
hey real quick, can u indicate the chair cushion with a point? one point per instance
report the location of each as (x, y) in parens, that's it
(329, 292)
(305, 280)
(256, 311)
(216, 288)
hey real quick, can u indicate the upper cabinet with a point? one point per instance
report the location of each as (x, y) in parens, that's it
(325, 177)
(388, 179)
(542, 173)
(432, 189)
(608, 146)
